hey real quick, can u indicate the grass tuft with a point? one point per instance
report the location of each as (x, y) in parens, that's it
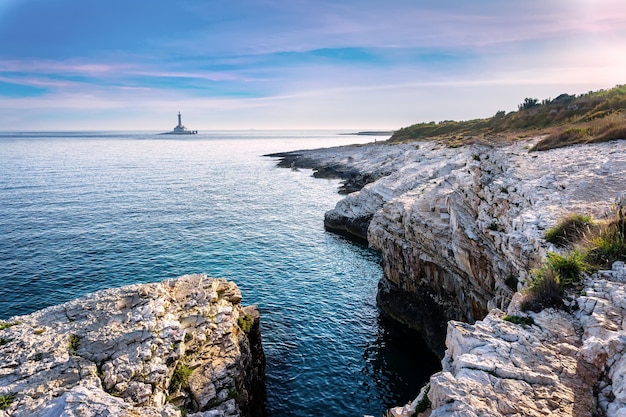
(180, 378)
(524, 321)
(545, 291)
(608, 244)
(6, 400)
(569, 230)
(569, 267)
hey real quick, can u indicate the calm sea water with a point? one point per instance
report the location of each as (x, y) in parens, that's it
(84, 211)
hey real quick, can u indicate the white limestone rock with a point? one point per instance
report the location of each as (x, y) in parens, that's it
(125, 351)
(458, 229)
(554, 367)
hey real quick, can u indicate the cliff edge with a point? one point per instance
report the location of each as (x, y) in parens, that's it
(459, 229)
(182, 346)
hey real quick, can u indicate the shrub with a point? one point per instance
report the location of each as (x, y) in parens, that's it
(180, 378)
(569, 267)
(424, 402)
(544, 291)
(569, 230)
(73, 344)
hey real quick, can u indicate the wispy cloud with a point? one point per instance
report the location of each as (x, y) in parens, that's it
(269, 62)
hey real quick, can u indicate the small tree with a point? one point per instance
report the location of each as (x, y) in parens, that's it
(528, 103)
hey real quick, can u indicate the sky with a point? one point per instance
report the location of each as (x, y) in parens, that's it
(296, 64)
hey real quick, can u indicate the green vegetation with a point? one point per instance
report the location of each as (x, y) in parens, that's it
(596, 245)
(608, 244)
(569, 230)
(180, 378)
(424, 404)
(607, 128)
(567, 119)
(73, 344)
(6, 400)
(4, 341)
(7, 324)
(570, 267)
(545, 291)
(245, 322)
(233, 393)
(525, 321)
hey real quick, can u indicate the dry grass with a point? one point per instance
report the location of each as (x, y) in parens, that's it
(603, 129)
(607, 244)
(567, 120)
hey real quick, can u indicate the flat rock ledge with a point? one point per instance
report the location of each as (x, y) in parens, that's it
(184, 346)
(567, 364)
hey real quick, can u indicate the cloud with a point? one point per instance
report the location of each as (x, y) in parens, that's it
(276, 63)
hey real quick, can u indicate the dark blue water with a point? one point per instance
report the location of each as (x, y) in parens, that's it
(85, 211)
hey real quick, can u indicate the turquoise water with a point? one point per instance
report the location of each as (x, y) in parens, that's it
(85, 211)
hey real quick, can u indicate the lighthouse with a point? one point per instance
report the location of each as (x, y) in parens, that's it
(180, 129)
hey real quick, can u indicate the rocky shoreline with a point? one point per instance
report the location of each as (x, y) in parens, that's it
(182, 346)
(459, 230)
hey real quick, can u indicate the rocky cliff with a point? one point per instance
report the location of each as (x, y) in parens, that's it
(458, 230)
(181, 346)
(564, 364)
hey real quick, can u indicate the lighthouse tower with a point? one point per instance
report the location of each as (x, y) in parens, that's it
(180, 129)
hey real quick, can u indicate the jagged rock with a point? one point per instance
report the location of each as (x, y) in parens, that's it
(554, 367)
(144, 350)
(458, 229)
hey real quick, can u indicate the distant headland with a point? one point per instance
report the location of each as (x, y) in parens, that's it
(372, 133)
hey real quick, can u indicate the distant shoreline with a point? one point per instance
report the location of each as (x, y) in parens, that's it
(372, 133)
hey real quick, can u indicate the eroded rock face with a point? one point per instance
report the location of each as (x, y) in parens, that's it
(464, 238)
(566, 364)
(459, 229)
(140, 350)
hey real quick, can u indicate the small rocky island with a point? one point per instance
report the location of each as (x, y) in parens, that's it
(184, 346)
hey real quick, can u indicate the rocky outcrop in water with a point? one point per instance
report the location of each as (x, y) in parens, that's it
(183, 345)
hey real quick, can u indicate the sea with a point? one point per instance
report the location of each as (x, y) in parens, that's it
(83, 211)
